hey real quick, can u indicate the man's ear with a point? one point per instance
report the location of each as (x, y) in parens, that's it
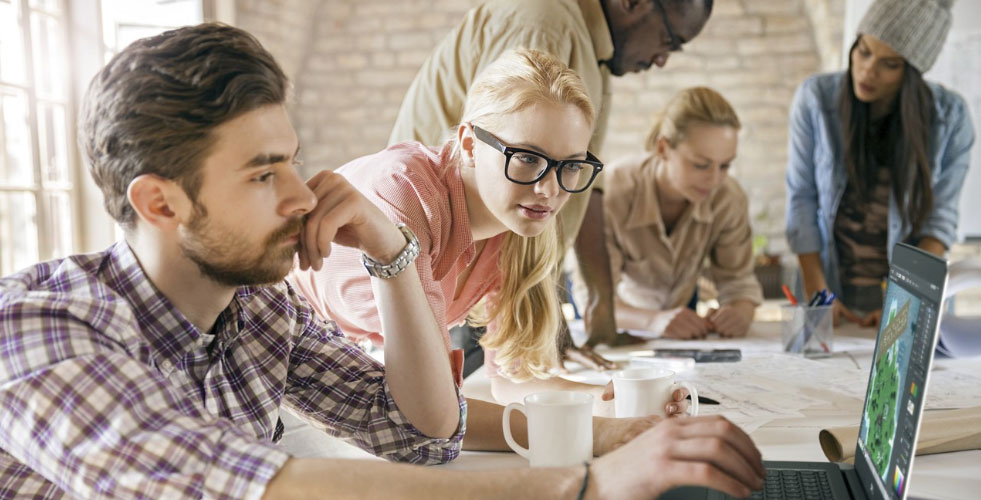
(628, 5)
(159, 202)
(466, 140)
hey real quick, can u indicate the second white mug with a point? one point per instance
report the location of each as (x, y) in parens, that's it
(639, 392)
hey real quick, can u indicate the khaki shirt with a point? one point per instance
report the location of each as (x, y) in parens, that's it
(575, 31)
(653, 270)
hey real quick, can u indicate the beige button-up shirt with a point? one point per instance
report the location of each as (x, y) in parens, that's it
(575, 31)
(657, 271)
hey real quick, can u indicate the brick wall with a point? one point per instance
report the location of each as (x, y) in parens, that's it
(352, 60)
(827, 20)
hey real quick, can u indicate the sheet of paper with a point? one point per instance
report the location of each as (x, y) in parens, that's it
(763, 338)
(953, 389)
(751, 396)
(746, 421)
(960, 336)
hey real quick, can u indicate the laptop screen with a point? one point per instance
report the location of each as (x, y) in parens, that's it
(900, 367)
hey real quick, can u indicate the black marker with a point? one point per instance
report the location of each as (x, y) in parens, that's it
(707, 401)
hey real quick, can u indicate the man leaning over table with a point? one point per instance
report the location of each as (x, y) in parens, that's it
(157, 368)
(595, 38)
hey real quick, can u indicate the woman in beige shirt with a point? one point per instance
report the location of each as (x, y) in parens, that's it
(669, 210)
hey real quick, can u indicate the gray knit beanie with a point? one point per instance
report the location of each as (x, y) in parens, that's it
(916, 29)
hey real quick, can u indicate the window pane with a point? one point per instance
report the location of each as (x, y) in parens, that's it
(17, 167)
(49, 56)
(53, 138)
(124, 21)
(58, 205)
(12, 67)
(52, 6)
(18, 231)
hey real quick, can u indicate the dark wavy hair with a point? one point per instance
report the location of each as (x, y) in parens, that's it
(152, 108)
(908, 137)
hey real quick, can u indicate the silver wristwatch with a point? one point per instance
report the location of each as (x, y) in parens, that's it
(402, 260)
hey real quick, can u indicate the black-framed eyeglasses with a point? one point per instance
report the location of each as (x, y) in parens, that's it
(523, 166)
(674, 43)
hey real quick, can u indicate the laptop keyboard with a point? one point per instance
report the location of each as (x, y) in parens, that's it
(795, 485)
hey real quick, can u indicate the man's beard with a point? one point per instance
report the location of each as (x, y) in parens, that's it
(227, 259)
(615, 65)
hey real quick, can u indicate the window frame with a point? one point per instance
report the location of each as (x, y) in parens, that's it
(41, 188)
(84, 47)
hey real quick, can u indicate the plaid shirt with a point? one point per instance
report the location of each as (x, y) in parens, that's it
(107, 391)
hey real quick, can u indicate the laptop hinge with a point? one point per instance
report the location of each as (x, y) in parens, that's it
(852, 481)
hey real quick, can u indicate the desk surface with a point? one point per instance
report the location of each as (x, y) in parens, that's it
(782, 400)
(804, 395)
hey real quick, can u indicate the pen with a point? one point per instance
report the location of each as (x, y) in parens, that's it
(817, 298)
(800, 343)
(790, 296)
(826, 298)
(827, 302)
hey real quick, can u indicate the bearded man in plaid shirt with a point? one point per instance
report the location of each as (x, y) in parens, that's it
(158, 367)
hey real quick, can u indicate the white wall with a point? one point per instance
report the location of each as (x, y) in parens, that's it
(959, 68)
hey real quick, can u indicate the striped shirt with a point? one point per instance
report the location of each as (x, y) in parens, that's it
(862, 235)
(108, 391)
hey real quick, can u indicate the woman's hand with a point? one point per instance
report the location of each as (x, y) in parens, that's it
(841, 312)
(680, 323)
(678, 406)
(733, 319)
(587, 357)
(872, 319)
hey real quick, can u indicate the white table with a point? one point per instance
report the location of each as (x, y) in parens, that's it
(795, 437)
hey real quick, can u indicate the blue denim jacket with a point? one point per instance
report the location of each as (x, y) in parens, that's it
(816, 176)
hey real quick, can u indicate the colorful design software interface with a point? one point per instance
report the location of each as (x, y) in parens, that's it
(899, 370)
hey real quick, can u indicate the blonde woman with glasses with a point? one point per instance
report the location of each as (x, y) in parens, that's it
(480, 210)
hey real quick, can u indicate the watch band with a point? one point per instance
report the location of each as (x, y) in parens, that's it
(402, 260)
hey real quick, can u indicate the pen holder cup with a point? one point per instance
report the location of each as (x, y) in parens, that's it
(808, 331)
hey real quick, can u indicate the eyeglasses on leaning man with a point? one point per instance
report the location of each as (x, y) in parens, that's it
(674, 43)
(523, 166)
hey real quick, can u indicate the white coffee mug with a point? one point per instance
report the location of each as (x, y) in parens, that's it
(639, 392)
(560, 428)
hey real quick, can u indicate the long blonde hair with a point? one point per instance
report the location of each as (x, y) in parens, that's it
(525, 311)
(691, 105)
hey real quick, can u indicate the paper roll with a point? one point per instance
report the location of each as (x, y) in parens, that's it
(942, 431)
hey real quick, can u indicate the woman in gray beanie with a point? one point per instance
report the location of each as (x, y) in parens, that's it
(877, 156)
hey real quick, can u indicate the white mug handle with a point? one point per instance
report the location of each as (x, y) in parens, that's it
(520, 450)
(693, 407)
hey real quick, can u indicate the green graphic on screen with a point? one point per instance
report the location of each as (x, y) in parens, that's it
(882, 406)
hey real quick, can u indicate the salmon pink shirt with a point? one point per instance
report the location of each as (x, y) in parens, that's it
(422, 188)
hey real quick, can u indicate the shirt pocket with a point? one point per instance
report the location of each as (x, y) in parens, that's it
(645, 270)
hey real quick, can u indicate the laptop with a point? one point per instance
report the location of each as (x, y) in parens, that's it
(893, 398)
